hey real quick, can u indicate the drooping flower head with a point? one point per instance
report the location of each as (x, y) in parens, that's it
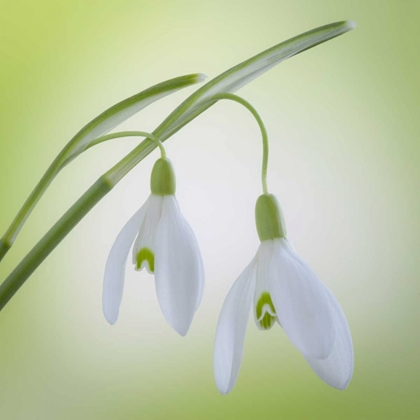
(166, 246)
(279, 286)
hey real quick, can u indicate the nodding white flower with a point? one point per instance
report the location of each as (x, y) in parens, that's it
(166, 246)
(281, 287)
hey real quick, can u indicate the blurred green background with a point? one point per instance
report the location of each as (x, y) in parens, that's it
(343, 120)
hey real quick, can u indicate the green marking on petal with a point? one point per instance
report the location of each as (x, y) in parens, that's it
(267, 320)
(145, 254)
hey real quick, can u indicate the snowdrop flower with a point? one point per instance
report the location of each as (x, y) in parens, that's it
(279, 286)
(166, 247)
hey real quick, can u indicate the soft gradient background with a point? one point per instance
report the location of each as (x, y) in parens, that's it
(344, 123)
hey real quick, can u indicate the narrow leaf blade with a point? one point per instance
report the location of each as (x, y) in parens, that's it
(123, 110)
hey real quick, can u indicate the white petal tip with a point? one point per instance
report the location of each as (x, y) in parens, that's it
(111, 318)
(346, 383)
(341, 387)
(221, 385)
(181, 333)
(224, 390)
(179, 327)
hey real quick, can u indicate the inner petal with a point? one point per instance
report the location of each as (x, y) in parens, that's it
(264, 310)
(144, 246)
(145, 259)
(265, 313)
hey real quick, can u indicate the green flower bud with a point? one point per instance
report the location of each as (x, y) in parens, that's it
(162, 181)
(269, 218)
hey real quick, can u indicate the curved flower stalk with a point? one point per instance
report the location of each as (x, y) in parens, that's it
(166, 247)
(279, 286)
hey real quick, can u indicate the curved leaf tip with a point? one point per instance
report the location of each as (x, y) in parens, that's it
(243, 73)
(351, 24)
(200, 77)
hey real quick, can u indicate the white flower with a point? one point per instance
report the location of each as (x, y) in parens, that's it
(167, 247)
(281, 287)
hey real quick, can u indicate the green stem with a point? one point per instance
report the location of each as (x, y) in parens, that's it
(249, 107)
(54, 236)
(12, 232)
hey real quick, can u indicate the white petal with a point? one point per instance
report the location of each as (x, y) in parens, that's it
(179, 272)
(147, 235)
(231, 328)
(301, 303)
(337, 369)
(115, 266)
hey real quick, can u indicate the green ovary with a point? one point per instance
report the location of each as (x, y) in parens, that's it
(145, 254)
(267, 320)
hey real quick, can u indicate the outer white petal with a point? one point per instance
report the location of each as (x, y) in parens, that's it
(231, 328)
(301, 302)
(147, 234)
(115, 266)
(337, 369)
(179, 272)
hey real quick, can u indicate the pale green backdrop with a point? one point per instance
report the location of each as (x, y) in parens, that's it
(344, 124)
